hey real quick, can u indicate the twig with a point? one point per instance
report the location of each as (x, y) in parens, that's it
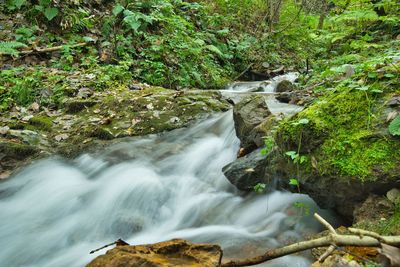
(119, 242)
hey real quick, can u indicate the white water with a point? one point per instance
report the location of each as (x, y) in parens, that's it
(145, 190)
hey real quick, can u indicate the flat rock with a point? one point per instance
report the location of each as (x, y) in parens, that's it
(169, 253)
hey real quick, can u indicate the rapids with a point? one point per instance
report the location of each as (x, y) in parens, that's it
(145, 190)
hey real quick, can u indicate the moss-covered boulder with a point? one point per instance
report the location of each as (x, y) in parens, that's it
(340, 149)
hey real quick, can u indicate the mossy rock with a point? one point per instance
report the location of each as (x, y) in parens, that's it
(17, 151)
(347, 154)
(40, 122)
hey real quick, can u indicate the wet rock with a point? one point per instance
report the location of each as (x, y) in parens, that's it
(285, 86)
(28, 136)
(284, 97)
(247, 171)
(247, 114)
(264, 129)
(169, 253)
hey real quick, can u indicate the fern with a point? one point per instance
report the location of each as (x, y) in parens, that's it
(10, 48)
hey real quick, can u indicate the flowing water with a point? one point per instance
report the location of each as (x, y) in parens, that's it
(145, 190)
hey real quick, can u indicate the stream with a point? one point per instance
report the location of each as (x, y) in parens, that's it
(145, 190)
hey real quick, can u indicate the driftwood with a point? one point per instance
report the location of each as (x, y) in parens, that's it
(360, 238)
(46, 49)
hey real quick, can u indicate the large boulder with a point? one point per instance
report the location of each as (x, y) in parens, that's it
(346, 154)
(247, 171)
(169, 253)
(247, 114)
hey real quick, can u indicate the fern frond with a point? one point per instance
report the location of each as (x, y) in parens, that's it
(10, 47)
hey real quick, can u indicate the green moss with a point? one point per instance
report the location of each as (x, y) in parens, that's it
(341, 136)
(40, 122)
(16, 150)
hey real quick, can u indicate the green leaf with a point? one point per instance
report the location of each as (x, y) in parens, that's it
(394, 126)
(44, 2)
(50, 13)
(117, 9)
(294, 182)
(18, 3)
(372, 75)
(292, 154)
(260, 188)
(304, 121)
(363, 88)
(389, 75)
(376, 91)
(214, 49)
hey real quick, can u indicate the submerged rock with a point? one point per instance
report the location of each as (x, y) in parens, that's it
(169, 253)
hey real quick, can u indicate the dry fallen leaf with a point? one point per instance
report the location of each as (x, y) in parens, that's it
(61, 137)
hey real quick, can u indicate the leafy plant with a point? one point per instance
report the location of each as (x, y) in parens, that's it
(11, 47)
(269, 143)
(260, 188)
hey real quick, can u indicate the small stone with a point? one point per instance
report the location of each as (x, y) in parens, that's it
(393, 195)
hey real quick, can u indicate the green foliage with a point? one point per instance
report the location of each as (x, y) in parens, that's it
(11, 47)
(260, 188)
(394, 127)
(269, 143)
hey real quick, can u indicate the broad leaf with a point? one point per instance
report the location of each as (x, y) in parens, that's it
(394, 126)
(50, 13)
(117, 9)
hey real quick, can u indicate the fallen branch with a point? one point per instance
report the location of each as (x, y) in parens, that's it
(362, 239)
(46, 49)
